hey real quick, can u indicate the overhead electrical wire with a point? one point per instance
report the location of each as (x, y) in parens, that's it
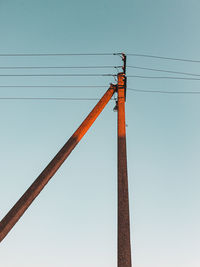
(96, 67)
(88, 99)
(161, 70)
(95, 54)
(163, 77)
(54, 75)
(166, 58)
(55, 54)
(59, 67)
(49, 98)
(53, 86)
(163, 91)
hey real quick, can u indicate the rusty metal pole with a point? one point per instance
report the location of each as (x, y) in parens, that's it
(124, 246)
(32, 192)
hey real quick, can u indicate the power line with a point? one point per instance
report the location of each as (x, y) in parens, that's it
(59, 67)
(163, 92)
(166, 58)
(162, 77)
(53, 86)
(48, 98)
(55, 54)
(94, 54)
(161, 70)
(79, 99)
(53, 75)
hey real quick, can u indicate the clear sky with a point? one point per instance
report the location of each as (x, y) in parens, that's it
(73, 221)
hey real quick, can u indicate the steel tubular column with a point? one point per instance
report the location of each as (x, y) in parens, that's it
(32, 192)
(124, 247)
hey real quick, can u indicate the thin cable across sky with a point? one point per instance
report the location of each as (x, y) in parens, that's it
(96, 54)
(58, 67)
(50, 98)
(163, 91)
(163, 77)
(55, 54)
(57, 75)
(54, 86)
(165, 58)
(162, 70)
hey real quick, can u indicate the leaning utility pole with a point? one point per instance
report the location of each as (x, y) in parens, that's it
(124, 246)
(33, 191)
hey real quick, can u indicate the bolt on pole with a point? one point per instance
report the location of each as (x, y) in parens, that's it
(124, 246)
(33, 191)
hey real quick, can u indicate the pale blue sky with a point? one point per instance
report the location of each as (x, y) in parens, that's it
(73, 221)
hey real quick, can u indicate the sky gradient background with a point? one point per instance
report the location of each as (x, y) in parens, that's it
(73, 221)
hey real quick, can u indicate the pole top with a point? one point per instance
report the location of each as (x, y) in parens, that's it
(122, 80)
(124, 63)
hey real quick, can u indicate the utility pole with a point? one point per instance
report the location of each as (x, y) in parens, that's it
(33, 191)
(124, 246)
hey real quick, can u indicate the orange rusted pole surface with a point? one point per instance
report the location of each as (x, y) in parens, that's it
(124, 246)
(32, 192)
